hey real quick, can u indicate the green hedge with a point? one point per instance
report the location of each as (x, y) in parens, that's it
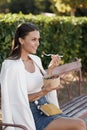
(66, 36)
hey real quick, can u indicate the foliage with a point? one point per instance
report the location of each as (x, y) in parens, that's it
(75, 3)
(26, 6)
(43, 6)
(69, 6)
(60, 7)
(59, 35)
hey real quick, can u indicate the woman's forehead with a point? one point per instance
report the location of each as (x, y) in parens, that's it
(34, 34)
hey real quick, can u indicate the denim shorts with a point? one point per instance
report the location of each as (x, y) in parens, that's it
(41, 120)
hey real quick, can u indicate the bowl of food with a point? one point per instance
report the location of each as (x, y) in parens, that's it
(53, 81)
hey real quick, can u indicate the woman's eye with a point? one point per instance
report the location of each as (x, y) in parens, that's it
(33, 39)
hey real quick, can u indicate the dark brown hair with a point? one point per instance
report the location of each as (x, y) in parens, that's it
(21, 32)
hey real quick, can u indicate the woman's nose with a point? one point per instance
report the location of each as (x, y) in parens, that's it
(38, 43)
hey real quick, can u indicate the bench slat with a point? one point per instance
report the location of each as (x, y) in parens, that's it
(76, 107)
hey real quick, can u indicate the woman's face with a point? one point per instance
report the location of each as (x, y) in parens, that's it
(30, 43)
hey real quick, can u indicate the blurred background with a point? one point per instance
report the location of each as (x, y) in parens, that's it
(56, 7)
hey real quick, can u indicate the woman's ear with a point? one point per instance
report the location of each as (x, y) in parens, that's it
(21, 40)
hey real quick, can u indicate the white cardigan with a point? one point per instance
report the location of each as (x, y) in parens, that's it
(14, 100)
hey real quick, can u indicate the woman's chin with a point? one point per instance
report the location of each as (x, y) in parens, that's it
(34, 52)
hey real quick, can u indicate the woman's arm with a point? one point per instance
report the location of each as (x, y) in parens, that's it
(45, 90)
(35, 96)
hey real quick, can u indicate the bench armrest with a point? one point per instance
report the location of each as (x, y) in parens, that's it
(5, 125)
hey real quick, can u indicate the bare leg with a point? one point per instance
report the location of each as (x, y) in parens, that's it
(67, 124)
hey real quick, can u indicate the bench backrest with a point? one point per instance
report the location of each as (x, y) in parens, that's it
(65, 69)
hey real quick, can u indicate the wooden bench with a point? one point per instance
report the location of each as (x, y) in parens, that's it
(69, 73)
(7, 125)
(76, 106)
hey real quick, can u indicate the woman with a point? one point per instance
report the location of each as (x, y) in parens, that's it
(22, 86)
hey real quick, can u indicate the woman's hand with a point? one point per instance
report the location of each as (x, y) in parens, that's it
(50, 84)
(53, 85)
(47, 88)
(54, 62)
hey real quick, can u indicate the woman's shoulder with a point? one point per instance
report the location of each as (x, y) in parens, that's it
(9, 63)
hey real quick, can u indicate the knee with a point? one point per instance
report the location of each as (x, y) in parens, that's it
(81, 124)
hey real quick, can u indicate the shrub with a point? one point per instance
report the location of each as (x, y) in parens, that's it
(59, 35)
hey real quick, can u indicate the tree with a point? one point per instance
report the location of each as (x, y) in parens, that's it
(26, 6)
(43, 5)
(3, 5)
(68, 6)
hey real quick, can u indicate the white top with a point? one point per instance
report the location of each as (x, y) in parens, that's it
(14, 100)
(34, 80)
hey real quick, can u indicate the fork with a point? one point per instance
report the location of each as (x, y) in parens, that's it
(43, 53)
